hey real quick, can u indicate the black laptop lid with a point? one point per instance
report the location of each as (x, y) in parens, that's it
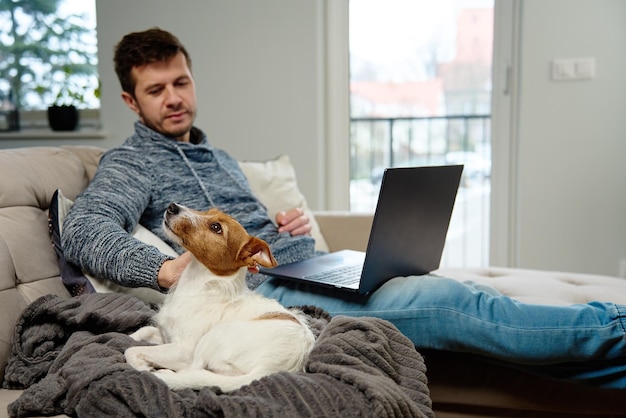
(411, 223)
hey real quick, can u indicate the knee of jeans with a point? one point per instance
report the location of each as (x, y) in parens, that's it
(482, 288)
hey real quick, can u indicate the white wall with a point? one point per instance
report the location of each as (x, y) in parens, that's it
(571, 144)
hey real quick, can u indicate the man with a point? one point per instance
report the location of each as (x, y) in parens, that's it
(169, 160)
(158, 86)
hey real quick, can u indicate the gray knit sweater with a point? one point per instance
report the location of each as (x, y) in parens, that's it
(137, 181)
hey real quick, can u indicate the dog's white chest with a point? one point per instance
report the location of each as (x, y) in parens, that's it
(188, 318)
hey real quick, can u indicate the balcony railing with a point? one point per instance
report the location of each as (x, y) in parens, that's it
(378, 143)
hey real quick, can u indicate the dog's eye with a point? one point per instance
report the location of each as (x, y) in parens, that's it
(216, 227)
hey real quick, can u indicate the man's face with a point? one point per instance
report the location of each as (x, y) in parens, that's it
(165, 97)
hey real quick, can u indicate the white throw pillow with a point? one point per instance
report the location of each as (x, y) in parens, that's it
(274, 184)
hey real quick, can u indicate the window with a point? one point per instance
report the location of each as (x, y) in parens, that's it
(49, 54)
(420, 94)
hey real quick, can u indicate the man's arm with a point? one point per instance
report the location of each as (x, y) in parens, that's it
(96, 231)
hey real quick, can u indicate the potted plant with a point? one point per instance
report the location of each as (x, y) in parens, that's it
(63, 117)
(63, 113)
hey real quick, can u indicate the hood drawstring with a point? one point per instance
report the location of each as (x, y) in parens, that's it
(195, 174)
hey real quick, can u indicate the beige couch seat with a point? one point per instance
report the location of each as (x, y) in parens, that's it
(460, 386)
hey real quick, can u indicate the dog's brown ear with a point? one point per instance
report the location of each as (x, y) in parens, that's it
(257, 251)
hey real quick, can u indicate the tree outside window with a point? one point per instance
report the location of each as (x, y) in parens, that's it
(49, 53)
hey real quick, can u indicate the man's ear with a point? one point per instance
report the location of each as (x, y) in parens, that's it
(130, 102)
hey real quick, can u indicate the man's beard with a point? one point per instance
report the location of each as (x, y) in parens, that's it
(177, 132)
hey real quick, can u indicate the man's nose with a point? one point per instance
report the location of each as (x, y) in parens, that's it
(172, 97)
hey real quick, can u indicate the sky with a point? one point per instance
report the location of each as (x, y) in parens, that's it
(86, 7)
(392, 31)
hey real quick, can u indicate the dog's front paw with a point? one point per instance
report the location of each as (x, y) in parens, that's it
(136, 358)
(149, 334)
(170, 377)
(163, 373)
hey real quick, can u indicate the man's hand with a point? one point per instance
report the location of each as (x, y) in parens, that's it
(171, 270)
(294, 221)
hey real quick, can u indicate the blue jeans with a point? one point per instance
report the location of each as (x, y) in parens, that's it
(585, 342)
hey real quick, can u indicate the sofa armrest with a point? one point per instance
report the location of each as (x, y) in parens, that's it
(345, 230)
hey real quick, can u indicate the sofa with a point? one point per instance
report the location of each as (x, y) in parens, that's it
(460, 385)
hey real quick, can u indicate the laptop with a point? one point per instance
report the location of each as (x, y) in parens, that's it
(407, 237)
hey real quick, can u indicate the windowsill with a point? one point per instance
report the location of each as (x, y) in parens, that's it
(49, 134)
(34, 125)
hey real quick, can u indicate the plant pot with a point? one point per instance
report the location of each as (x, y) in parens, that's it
(63, 118)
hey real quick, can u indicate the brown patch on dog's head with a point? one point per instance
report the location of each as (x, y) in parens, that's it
(216, 239)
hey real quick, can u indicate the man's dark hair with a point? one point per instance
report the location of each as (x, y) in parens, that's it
(140, 48)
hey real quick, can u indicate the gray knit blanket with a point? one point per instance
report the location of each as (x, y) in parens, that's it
(68, 355)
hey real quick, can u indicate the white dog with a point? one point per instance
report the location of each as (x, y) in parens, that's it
(211, 330)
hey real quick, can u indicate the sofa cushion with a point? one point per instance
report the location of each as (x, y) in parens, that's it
(89, 156)
(35, 173)
(543, 287)
(28, 264)
(274, 183)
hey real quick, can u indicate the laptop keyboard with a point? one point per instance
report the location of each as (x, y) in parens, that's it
(340, 275)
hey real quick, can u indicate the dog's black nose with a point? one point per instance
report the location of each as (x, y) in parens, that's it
(173, 209)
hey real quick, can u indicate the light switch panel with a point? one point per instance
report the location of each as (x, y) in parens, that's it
(567, 69)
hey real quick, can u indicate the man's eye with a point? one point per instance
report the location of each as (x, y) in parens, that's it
(216, 227)
(183, 80)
